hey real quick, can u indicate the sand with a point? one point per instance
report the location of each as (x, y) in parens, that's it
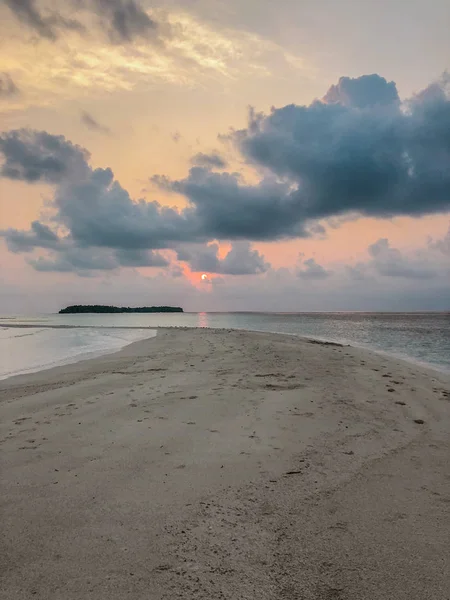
(226, 465)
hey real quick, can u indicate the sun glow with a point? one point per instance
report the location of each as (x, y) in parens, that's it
(204, 276)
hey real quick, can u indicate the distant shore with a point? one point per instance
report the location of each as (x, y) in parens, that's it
(87, 309)
(207, 462)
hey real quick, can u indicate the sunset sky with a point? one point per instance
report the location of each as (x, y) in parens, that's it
(296, 152)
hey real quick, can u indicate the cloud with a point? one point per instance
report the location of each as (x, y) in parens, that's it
(201, 258)
(92, 124)
(243, 260)
(89, 203)
(75, 260)
(83, 261)
(99, 211)
(435, 92)
(39, 236)
(386, 262)
(7, 86)
(38, 156)
(240, 260)
(27, 12)
(140, 258)
(357, 272)
(442, 246)
(362, 92)
(229, 209)
(312, 270)
(126, 19)
(211, 161)
(180, 50)
(123, 20)
(328, 160)
(315, 162)
(390, 262)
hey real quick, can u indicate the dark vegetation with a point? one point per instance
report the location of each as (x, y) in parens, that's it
(100, 308)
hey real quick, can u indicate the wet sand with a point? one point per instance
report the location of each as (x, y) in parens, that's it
(226, 465)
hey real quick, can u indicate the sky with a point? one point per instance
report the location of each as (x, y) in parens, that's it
(225, 154)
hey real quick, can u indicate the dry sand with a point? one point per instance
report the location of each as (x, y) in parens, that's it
(226, 465)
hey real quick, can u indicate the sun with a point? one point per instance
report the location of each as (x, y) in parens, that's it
(204, 276)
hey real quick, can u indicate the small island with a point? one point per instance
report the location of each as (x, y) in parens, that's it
(100, 308)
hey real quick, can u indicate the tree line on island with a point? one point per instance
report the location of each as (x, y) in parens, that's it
(100, 308)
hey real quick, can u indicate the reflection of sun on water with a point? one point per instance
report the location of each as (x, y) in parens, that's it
(203, 320)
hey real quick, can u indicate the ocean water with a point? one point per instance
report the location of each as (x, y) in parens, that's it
(32, 343)
(31, 349)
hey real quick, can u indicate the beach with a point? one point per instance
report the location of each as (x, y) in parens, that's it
(229, 465)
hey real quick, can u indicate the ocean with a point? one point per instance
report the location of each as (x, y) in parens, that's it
(29, 344)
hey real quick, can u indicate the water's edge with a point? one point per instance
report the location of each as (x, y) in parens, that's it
(88, 356)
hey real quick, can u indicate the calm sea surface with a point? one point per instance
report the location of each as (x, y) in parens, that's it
(30, 344)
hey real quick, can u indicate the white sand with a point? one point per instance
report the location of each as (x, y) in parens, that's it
(226, 465)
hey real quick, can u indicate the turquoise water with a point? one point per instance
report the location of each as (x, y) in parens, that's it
(33, 343)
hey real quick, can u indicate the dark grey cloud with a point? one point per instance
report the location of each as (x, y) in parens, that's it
(122, 20)
(46, 26)
(126, 19)
(390, 262)
(98, 211)
(317, 162)
(310, 269)
(92, 123)
(212, 160)
(241, 259)
(39, 236)
(75, 260)
(38, 156)
(7, 86)
(90, 204)
(229, 209)
(140, 258)
(329, 160)
(201, 258)
(362, 92)
(84, 261)
(380, 161)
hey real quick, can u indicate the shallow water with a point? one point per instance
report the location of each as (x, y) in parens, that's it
(419, 337)
(33, 349)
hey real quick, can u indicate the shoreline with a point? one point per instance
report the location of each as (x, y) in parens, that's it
(219, 463)
(387, 355)
(82, 356)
